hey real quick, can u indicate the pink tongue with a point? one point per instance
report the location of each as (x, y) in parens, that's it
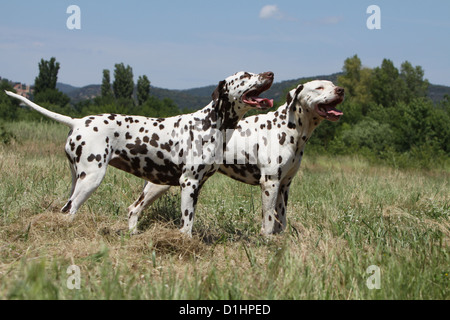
(263, 102)
(335, 112)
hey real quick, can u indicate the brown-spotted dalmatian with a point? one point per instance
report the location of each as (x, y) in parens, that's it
(267, 150)
(176, 151)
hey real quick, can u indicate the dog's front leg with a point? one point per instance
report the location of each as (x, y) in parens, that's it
(281, 208)
(270, 189)
(190, 190)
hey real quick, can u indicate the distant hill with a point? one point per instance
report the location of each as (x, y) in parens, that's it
(80, 94)
(438, 92)
(191, 99)
(66, 88)
(197, 98)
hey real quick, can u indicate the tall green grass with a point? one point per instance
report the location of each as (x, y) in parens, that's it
(345, 214)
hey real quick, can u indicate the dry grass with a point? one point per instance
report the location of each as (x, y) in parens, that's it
(344, 215)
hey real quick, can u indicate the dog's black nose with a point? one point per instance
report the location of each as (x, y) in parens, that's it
(340, 91)
(269, 75)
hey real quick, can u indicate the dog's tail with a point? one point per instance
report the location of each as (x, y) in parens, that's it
(68, 121)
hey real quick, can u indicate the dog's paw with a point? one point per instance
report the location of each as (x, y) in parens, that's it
(68, 217)
(128, 232)
(135, 232)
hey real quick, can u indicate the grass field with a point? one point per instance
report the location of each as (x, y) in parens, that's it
(345, 215)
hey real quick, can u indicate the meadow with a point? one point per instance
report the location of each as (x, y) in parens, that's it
(345, 214)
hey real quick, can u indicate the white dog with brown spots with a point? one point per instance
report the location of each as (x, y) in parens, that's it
(267, 150)
(176, 151)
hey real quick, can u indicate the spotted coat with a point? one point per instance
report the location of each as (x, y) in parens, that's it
(176, 151)
(267, 149)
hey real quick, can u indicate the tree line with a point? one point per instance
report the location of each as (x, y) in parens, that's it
(120, 96)
(387, 114)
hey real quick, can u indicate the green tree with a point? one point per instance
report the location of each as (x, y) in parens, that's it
(440, 130)
(386, 86)
(368, 134)
(415, 85)
(356, 81)
(416, 124)
(389, 86)
(106, 88)
(52, 96)
(352, 75)
(156, 108)
(446, 100)
(8, 106)
(143, 90)
(45, 84)
(123, 84)
(48, 75)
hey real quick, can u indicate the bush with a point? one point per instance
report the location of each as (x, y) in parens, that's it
(8, 106)
(428, 156)
(5, 136)
(367, 136)
(52, 96)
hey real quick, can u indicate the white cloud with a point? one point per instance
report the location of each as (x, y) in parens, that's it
(271, 12)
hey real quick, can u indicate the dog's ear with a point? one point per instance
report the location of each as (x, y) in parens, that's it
(289, 97)
(294, 94)
(218, 91)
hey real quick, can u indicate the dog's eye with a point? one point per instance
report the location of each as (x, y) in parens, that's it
(319, 88)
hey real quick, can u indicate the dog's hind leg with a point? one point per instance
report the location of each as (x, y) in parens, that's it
(85, 185)
(150, 194)
(74, 179)
(73, 171)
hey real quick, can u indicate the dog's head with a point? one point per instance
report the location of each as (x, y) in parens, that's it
(319, 97)
(243, 89)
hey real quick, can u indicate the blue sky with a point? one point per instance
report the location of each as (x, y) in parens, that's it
(187, 44)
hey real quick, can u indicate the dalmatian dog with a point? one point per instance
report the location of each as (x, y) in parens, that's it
(267, 150)
(176, 151)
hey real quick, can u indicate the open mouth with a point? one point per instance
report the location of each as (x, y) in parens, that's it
(252, 98)
(329, 111)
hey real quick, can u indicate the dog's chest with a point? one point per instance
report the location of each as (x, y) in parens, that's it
(264, 145)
